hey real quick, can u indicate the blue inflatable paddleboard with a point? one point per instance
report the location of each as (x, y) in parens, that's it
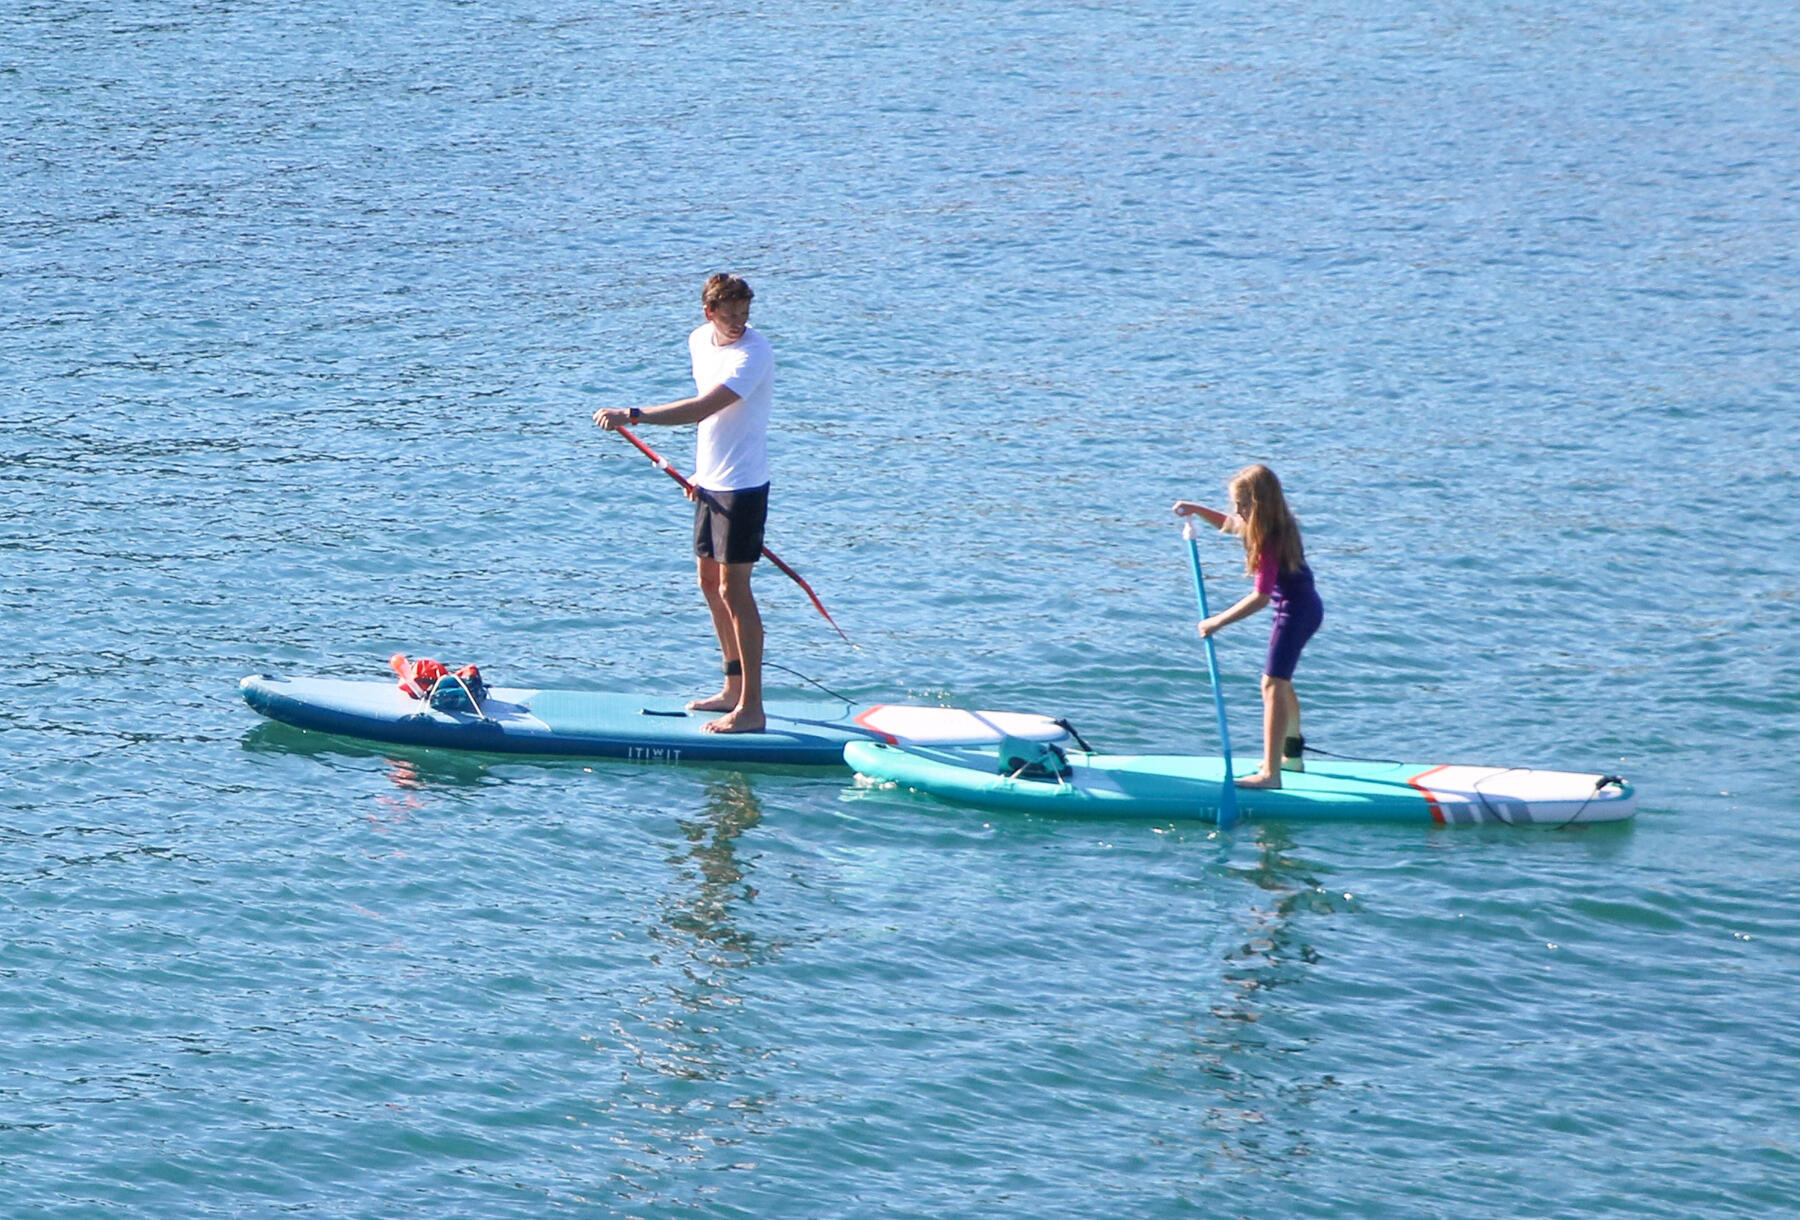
(611, 725)
(1182, 786)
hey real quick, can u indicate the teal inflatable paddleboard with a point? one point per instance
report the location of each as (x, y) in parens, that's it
(1182, 786)
(612, 725)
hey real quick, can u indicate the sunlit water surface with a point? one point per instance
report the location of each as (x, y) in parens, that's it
(304, 310)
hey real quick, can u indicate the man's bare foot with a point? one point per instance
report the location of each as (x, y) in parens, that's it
(738, 720)
(1262, 779)
(724, 701)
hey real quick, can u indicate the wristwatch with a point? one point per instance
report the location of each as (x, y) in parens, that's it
(637, 413)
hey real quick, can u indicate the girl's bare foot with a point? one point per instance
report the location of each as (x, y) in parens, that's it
(1262, 779)
(738, 721)
(724, 701)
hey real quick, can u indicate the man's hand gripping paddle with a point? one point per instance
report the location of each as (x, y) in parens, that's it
(662, 465)
(1227, 788)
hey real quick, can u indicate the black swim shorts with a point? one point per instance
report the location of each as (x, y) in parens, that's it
(728, 525)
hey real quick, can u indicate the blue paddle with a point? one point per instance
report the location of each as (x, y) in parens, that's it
(1227, 789)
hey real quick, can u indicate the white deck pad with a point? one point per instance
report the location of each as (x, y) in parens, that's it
(907, 724)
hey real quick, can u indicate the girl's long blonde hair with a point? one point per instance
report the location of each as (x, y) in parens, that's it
(1268, 525)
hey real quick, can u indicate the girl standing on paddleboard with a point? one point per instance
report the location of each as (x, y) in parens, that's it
(1275, 559)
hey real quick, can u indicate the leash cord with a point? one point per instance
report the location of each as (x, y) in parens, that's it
(847, 700)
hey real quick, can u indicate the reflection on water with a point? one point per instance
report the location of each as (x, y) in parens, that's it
(1274, 952)
(711, 879)
(1263, 1074)
(411, 768)
(691, 1051)
(698, 933)
(404, 774)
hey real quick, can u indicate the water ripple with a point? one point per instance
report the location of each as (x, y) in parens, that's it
(306, 312)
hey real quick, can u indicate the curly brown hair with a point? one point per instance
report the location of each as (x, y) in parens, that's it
(723, 287)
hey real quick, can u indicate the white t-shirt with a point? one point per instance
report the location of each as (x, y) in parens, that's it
(733, 448)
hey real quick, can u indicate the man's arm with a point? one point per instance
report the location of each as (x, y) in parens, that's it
(683, 411)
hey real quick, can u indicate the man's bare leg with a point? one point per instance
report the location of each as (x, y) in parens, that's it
(712, 584)
(746, 716)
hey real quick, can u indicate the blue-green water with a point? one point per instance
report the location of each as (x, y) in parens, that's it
(304, 310)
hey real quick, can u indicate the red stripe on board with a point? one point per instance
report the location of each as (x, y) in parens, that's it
(887, 737)
(1437, 814)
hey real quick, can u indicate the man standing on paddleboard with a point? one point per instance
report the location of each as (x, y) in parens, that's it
(734, 380)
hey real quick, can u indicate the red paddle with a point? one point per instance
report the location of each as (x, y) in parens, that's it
(662, 465)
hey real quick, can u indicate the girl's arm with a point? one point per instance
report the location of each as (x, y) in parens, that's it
(1187, 508)
(1251, 603)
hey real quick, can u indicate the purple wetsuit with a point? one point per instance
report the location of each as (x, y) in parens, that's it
(1298, 613)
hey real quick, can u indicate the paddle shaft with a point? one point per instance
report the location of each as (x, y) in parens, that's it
(1227, 788)
(661, 464)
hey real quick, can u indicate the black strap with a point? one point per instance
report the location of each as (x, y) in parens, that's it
(1068, 728)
